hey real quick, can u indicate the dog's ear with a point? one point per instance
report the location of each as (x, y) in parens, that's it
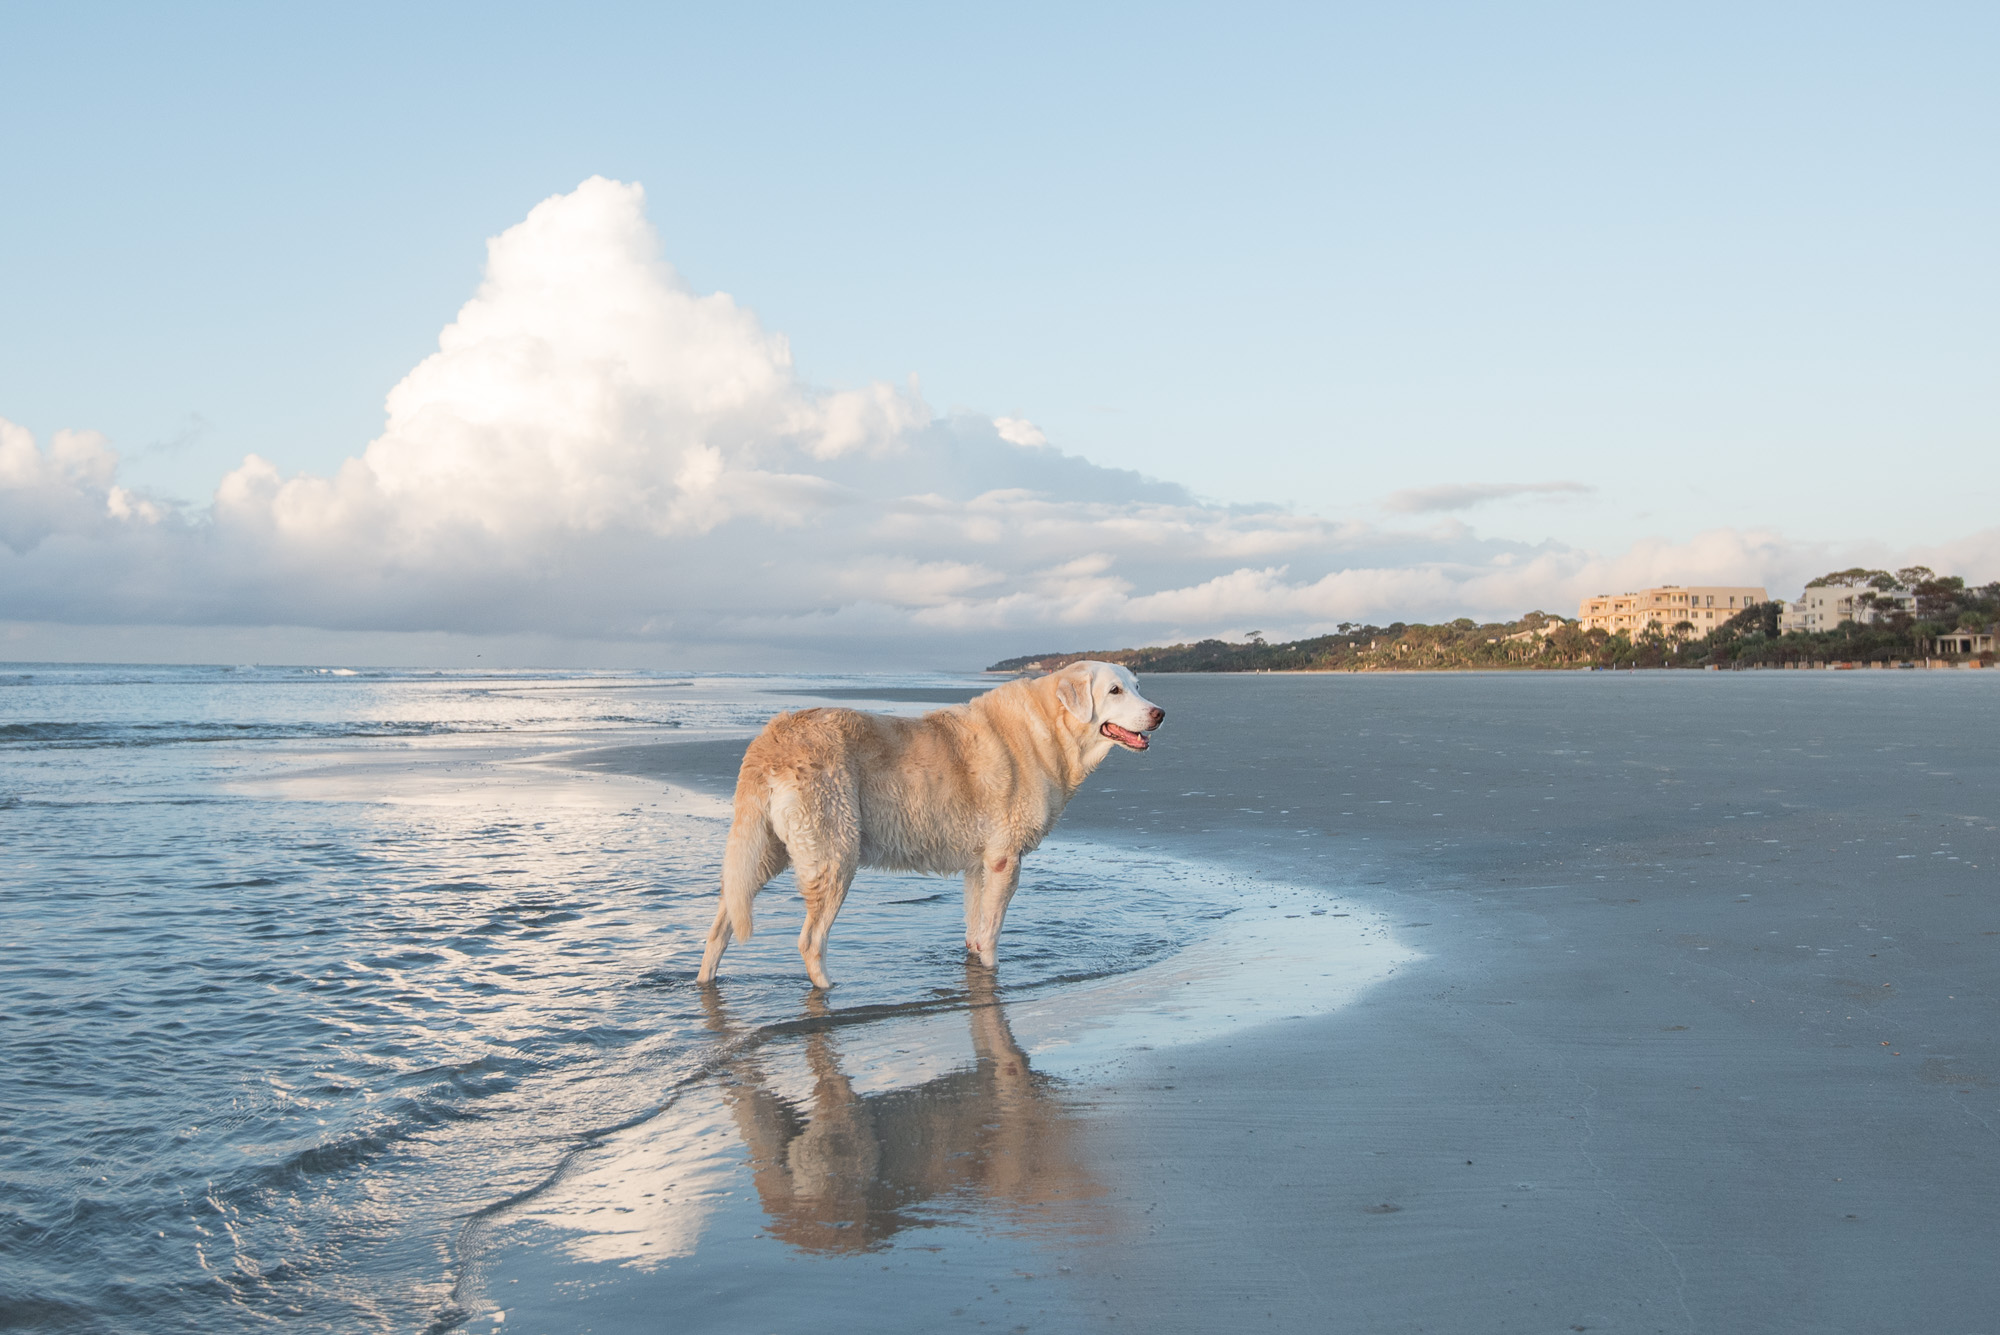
(1073, 689)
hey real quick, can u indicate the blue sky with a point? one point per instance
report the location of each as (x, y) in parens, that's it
(1708, 267)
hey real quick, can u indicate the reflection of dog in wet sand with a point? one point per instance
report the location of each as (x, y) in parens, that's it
(852, 1170)
(965, 789)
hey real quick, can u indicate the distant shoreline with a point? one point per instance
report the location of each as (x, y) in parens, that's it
(1917, 665)
(1957, 630)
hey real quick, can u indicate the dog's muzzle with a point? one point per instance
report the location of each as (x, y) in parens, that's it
(1134, 741)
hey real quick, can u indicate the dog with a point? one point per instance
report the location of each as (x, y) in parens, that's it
(966, 789)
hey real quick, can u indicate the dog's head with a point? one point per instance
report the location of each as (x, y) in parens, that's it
(1105, 698)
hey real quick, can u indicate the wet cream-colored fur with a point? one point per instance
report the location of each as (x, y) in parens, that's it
(967, 789)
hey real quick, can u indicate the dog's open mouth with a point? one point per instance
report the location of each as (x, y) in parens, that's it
(1124, 736)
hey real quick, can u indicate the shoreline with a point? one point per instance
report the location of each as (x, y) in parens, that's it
(1933, 665)
(834, 1134)
(1703, 1039)
(1701, 1036)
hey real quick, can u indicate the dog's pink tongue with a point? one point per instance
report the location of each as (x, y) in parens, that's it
(1132, 739)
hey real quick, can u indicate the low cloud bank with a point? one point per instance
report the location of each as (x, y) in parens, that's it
(1465, 495)
(597, 452)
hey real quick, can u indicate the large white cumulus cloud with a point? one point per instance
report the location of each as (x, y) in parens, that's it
(596, 450)
(584, 389)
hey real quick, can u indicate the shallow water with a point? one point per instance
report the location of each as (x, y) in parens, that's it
(330, 996)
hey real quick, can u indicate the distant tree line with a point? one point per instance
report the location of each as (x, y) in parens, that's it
(1541, 640)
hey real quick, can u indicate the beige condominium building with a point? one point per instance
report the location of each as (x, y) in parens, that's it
(1704, 607)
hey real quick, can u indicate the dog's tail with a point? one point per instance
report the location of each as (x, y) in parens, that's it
(755, 854)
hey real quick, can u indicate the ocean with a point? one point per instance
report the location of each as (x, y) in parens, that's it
(354, 999)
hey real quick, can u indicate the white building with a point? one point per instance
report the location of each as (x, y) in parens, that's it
(1964, 642)
(1825, 606)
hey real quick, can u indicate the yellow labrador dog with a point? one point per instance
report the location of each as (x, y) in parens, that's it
(966, 789)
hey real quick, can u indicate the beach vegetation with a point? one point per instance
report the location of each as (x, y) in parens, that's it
(1752, 638)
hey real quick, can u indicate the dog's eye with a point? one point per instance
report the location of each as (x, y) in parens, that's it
(1118, 690)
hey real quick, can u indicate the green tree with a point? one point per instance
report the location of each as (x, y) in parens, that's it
(1938, 597)
(1847, 579)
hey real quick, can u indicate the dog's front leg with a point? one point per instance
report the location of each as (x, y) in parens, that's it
(975, 895)
(1002, 876)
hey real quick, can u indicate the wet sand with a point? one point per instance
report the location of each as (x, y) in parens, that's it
(1704, 1038)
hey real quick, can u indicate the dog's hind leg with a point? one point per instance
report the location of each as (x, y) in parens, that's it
(1002, 877)
(824, 887)
(822, 829)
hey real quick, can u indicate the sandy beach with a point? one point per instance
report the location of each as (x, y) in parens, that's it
(1702, 1038)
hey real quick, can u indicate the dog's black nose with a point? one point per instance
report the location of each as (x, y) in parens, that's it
(1159, 716)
